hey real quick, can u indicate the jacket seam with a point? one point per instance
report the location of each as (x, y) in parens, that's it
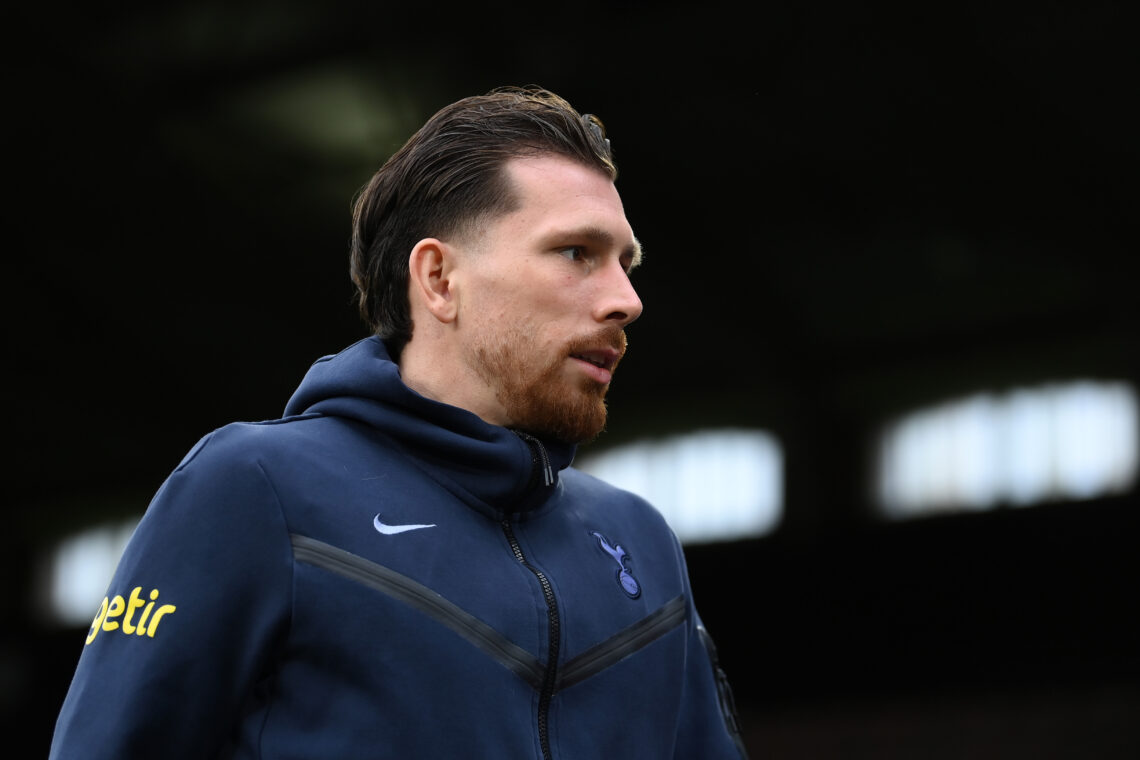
(284, 523)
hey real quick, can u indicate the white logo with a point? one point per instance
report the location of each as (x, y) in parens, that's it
(389, 530)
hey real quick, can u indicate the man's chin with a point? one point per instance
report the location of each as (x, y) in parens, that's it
(570, 423)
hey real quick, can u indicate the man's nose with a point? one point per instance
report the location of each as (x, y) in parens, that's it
(619, 301)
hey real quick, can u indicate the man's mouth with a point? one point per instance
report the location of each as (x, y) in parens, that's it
(601, 352)
(605, 358)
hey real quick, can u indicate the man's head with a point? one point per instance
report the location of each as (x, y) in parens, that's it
(447, 177)
(515, 270)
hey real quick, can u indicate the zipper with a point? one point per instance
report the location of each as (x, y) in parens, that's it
(420, 597)
(546, 678)
(550, 677)
(539, 460)
(623, 644)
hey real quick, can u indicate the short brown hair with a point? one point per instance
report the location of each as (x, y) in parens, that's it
(448, 175)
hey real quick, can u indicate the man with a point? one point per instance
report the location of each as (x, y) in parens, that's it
(405, 565)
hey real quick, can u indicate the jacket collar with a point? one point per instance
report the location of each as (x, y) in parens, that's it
(491, 468)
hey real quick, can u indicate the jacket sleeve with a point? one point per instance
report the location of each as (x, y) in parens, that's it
(709, 726)
(195, 606)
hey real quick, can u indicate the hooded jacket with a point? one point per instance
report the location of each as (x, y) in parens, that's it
(379, 575)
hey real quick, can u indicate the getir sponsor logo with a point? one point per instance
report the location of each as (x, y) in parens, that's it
(114, 608)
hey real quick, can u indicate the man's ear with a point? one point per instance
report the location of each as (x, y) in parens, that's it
(429, 278)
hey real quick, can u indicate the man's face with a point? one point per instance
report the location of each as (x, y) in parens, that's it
(546, 299)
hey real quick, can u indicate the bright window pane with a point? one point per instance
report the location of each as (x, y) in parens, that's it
(80, 569)
(1075, 440)
(710, 485)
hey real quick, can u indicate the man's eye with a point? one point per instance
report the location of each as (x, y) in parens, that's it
(574, 252)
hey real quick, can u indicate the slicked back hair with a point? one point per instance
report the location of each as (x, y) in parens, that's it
(448, 176)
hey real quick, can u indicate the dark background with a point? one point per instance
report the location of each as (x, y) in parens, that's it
(848, 212)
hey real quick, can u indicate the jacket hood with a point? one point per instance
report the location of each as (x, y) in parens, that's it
(492, 468)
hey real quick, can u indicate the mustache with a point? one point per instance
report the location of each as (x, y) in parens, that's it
(607, 337)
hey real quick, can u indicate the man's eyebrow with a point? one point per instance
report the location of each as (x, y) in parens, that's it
(634, 251)
(601, 236)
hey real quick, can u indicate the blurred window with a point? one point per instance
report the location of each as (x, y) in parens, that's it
(711, 485)
(1065, 441)
(80, 569)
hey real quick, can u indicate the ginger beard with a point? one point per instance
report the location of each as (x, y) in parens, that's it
(538, 398)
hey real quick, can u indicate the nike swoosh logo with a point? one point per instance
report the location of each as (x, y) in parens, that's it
(389, 530)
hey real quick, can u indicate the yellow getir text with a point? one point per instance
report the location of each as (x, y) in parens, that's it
(117, 613)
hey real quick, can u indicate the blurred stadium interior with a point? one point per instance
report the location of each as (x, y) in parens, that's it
(849, 216)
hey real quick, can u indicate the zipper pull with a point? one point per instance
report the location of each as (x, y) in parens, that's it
(539, 457)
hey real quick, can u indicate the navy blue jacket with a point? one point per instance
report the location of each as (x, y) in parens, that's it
(378, 575)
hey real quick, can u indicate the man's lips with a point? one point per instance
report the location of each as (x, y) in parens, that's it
(598, 355)
(605, 358)
(599, 362)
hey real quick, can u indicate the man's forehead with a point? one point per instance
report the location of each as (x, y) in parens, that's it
(541, 168)
(534, 182)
